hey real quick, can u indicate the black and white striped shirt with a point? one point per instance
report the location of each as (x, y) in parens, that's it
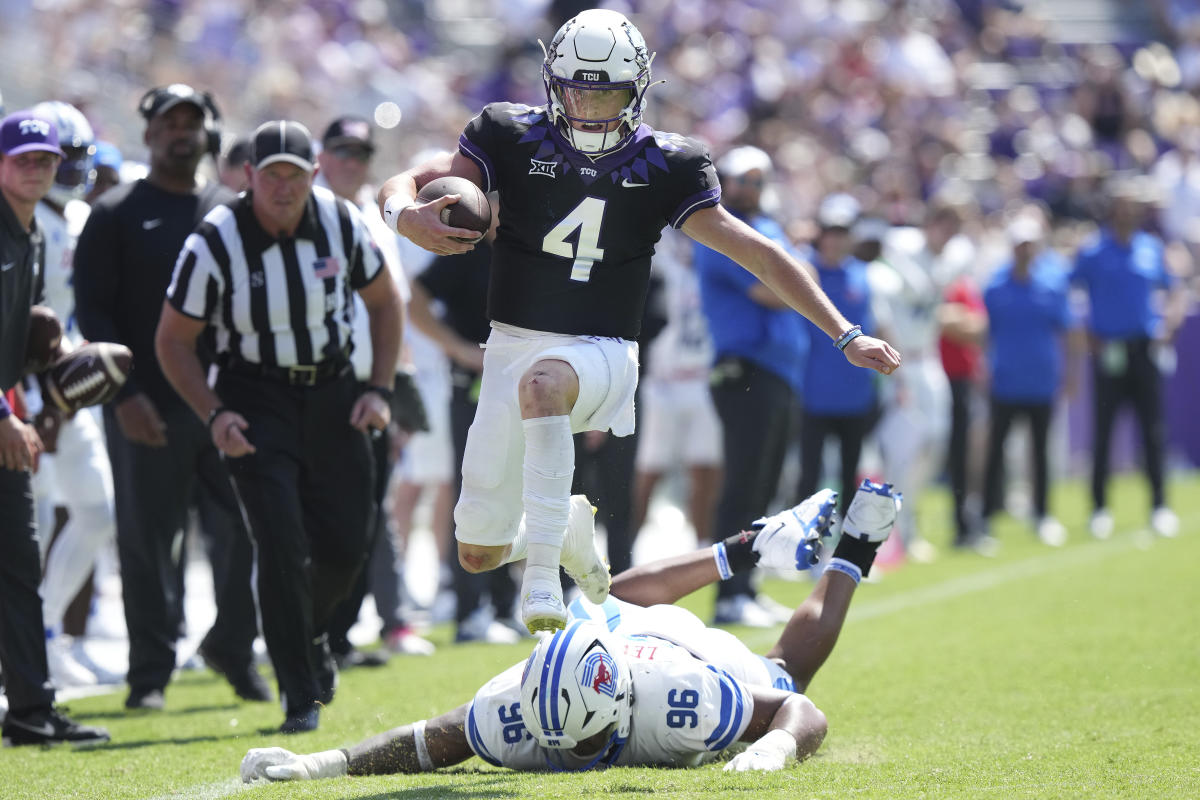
(278, 302)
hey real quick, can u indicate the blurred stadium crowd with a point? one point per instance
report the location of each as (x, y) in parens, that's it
(989, 107)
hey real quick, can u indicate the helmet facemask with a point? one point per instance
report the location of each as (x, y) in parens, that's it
(77, 171)
(596, 73)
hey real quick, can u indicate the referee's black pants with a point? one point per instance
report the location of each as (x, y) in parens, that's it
(755, 407)
(306, 493)
(154, 488)
(1127, 373)
(22, 631)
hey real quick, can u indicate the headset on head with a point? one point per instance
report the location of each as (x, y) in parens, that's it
(212, 116)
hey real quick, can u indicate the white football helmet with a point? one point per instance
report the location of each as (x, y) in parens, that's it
(577, 697)
(597, 71)
(77, 172)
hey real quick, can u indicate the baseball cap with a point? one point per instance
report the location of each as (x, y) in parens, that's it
(741, 160)
(838, 211)
(349, 129)
(23, 132)
(163, 98)
(283, 140)
(1023, 230)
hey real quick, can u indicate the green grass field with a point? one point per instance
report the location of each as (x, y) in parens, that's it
(1071, 673)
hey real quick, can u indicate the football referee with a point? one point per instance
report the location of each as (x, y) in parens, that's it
(272, 274)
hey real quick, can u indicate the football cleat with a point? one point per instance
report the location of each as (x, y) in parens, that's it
(792, 539)
(872, 512)
(579, 556)
(542, 607)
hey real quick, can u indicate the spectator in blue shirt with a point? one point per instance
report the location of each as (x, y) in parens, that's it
(1135, 311)
(760, 346)
(838, 401)
(1029, 319)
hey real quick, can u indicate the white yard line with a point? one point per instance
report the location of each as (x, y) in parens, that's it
(205, 791)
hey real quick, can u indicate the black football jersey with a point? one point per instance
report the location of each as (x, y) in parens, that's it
(572, 253)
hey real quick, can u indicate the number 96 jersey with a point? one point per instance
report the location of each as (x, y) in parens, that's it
(572, 253)
(685, 711)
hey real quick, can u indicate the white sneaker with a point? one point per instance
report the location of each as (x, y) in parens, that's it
(872, 513)
(65, 669)
(404, 641)
(481, 627)
(743, 610)
(1101, 524)
(1164, 522)
(923, 551)
(103, 674)
(1051, 532)
(579, 556)
(791, 540)
(542, 607)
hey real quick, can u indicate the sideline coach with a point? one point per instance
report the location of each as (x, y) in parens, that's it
(272, 273)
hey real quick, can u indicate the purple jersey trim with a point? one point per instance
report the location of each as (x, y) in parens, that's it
(613, 160)
(706, 199)
(471, 151)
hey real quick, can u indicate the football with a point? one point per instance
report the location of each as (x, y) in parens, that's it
(88, 376)
(472, 211)
(44, 343)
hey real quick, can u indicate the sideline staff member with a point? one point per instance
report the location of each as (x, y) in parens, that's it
(162, 460)
(29, 157)
(272, 272)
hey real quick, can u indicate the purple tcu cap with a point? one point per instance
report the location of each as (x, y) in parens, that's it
(22, 132)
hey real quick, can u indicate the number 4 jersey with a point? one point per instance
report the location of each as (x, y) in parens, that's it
(572, 254)
(690, 692)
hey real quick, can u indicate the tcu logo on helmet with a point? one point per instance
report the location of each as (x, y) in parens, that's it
(600, 673)
(35, 126)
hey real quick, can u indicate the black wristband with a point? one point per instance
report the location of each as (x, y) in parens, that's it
(859, 552)
(382, 391)
(739, 549)
(216, 412)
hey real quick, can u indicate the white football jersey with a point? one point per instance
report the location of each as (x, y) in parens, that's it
(691, 695)
(909, 285)
(684, 346)
(60, 233)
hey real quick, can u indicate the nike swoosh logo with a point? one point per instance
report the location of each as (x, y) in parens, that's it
(151, 224)
(45, 729)
(626, 183)
(8, 266)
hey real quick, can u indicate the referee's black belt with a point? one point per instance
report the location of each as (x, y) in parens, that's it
(300, 375)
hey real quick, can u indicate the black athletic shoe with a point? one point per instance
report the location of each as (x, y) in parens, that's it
(301, 721)
(145, 700)
(361, 658)
(244, 678)
(50, 726)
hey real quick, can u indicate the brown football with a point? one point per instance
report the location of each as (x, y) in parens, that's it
(44, 344)
(472, 211)
(87, 376)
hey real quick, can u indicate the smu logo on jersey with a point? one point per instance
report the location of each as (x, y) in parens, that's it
(327, 267)
(542, 167)
(600, 673)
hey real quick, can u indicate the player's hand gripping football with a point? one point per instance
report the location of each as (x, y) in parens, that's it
(277, 764)
(792, 539)
(872, 353)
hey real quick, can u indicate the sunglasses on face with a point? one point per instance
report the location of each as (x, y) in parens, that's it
(350, 151)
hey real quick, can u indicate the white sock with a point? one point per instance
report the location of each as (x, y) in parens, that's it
(549, 467)
(73, 557)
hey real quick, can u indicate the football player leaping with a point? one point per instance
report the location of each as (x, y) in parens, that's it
(585, 189)
(631, 682)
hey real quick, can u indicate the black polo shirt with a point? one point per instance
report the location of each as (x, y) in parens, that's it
(21, 255)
